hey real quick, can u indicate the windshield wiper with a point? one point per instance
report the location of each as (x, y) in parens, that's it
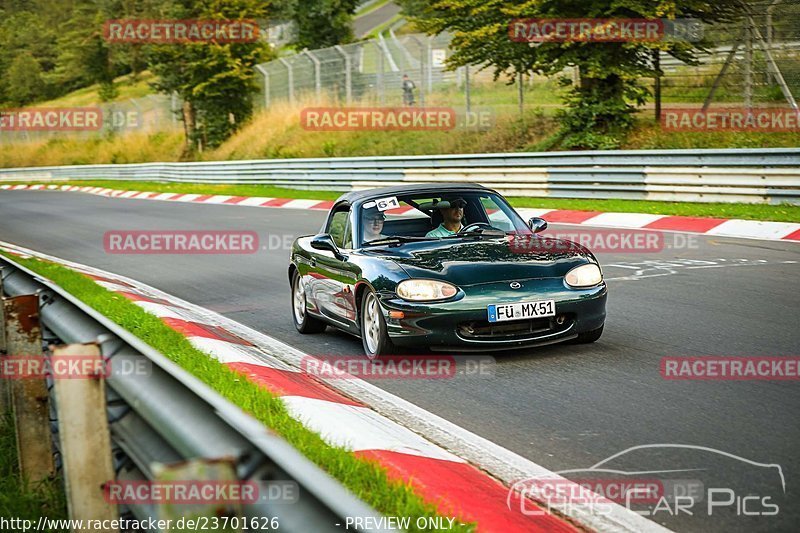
(478, 233)
(396, 239)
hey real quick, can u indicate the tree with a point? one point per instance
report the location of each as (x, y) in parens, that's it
(215, 80)
(24, 82)
(322, 23)
(599, 111)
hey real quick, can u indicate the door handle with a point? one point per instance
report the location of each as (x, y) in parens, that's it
(313, 262)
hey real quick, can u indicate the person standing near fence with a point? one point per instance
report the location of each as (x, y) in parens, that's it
(408, 90)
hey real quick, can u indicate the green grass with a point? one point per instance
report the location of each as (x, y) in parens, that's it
(777, 213)
(126, 86)
(365, 479)
(16, 500)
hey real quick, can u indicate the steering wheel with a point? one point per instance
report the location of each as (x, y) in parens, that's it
(476, 225)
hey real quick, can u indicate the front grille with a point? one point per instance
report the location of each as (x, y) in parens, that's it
(515, 329)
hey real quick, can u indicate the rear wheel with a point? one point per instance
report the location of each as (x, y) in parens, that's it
(374, 336)
(589, 336)
(302, 320)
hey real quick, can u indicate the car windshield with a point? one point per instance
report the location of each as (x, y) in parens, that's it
(426, 216)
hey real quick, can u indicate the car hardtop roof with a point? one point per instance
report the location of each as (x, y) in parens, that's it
(353, 197)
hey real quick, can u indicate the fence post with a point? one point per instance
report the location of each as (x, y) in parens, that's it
(466, 87)
(290, 78)
(29, 396)
(520, 93)
(83, 433)
(348, 80)
(264, 73)
(657, 88)
(748, 64)
(429, 60)
(317, 80)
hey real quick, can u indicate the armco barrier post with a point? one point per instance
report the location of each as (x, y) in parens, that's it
(83, 432)
(29, 396)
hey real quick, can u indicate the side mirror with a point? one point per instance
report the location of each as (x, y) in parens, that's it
(324, 241)
(536, 224)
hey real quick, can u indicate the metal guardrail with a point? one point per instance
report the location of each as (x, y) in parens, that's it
(732, 175)
(169, 416)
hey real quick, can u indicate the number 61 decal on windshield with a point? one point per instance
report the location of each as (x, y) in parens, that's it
(384, 204)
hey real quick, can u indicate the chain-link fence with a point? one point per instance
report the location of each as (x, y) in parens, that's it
(755, 61)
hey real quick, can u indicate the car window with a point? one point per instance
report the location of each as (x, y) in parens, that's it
(347, 242)
(495, 215)
(415, 215)
(338, 226)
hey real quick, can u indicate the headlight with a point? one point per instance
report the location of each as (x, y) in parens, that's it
(420, 290)
(584, 276)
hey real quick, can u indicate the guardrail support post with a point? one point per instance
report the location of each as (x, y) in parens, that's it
(29, 396)
(83, 431)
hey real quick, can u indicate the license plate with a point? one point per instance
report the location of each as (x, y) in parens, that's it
(521, 310)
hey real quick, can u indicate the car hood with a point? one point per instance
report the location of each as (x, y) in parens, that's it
(472, 262)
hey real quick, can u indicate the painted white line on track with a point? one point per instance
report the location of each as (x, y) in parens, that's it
(622, 220)
(754, 229)
(360, 428)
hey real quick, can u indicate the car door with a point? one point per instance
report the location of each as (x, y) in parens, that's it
(335, 278)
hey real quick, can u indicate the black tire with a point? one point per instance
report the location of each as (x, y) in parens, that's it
(304, 322)
(374, 337)
(589, 336)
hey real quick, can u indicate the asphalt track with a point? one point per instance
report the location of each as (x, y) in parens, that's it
(366, 23)
(564, 407)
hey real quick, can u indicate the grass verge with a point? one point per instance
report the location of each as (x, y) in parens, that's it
(775, 213)
(17, 500)
(365, 479)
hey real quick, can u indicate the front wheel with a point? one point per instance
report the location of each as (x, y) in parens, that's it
(302, 320)
(374, 337)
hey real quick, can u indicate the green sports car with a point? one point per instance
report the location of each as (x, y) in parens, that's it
(447, 267)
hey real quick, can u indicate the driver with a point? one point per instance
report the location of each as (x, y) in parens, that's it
(373, 225)
(452, 214)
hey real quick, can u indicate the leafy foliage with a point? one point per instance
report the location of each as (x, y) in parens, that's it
(599, 109)
(322, 23)
(215, 80)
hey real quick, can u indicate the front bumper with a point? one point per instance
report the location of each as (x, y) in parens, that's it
(462, 323)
